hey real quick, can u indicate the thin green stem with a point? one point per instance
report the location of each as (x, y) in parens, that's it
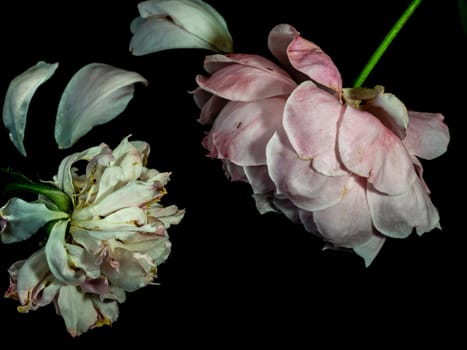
(386, 42)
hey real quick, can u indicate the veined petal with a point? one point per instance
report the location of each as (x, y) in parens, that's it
(58, 258)
(427, 135)
(308, 58)
(397, 216)
(242, 129)
(257, 79)
(369, 149)
(96, 94)
(18, 97)
(311, 119)
(194, 21)
(77, 310)
(22, 219)
(297, 181)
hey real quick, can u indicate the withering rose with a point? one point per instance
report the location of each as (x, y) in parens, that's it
(109, 242)
(344, 163)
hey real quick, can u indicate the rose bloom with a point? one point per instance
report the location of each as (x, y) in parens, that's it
(344, 163)
(110, 242)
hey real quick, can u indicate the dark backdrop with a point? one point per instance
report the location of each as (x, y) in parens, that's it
(235, 276)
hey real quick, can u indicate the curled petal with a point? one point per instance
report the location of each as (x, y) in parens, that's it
(311, 118)
(22, 219)
(427, 135)
(370, 249)
(18, 97)
(96, 94)
(371, 150)
(59, 261)
(250, 78)
(172, 24)
(309, 59)
(397, 216)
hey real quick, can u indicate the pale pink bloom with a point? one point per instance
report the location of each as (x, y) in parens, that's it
(111, 242)
(342, 162)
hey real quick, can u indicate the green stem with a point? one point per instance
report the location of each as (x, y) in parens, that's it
(386, 42)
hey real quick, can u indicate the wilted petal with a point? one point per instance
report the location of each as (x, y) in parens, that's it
(136, 270)
(242, 129)
(371, 150)
(107, 310)
(427, 135)
(173, 24)
(22, 219)
(18, 97)
(77, 310)
(295, 179)
(311, 118)
(250, 78)
(397, 216)
(96, 94)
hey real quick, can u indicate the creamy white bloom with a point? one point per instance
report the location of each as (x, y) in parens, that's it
(110, 242)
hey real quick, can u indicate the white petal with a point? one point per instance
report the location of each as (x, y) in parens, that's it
(23, 219)
(17, 99)
(96, 94)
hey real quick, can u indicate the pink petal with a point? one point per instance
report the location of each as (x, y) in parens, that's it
(427, 135)
(371, 150)
(211, 109)
(390, 111)
(348, 223)
(241, 130)
(309, 59)
(297, 181)
(311, 117)
(397, 216)
(248, 82)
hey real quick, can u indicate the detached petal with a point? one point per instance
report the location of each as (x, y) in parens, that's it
(22, 219)
(17, 99)
(96, 94)
(172, 24)
(427, 135)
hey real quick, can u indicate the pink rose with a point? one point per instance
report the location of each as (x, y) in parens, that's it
(342, 162)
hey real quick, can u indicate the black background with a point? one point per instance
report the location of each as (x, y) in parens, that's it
(236, 277)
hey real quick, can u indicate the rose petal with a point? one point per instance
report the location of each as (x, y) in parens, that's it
(241, 130)
(427, 135)
(371, 150)
(311, 118)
